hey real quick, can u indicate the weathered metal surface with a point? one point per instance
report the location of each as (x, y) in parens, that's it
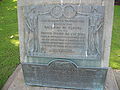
(62, 44)
(65, 75)
(64, 31)
(59, 39)
(16, 82)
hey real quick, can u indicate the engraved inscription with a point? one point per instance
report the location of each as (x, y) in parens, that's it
(67, 31)
(63, 36)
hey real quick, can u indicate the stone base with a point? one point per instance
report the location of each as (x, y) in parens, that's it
(16, 82)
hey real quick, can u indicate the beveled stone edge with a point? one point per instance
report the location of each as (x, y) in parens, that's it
(11, 78)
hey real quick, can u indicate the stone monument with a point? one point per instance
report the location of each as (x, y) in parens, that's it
(65, 43)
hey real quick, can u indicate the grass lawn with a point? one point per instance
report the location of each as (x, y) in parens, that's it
(9, 50)
(115, 47)
(9, 44)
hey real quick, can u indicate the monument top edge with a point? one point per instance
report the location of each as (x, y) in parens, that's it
(61, 2)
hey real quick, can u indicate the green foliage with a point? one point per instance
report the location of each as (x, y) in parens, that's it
(9, 50)
(115, 47)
